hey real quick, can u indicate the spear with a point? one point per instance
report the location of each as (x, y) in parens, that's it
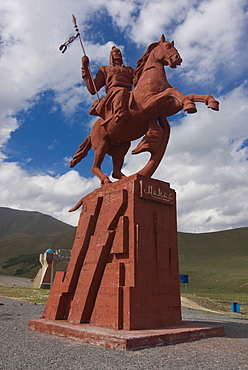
(74, 21)
(63, 48)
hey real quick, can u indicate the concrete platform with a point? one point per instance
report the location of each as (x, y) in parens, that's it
(127, 340)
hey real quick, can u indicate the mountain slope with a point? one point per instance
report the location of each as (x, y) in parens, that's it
(30, 223)
(24, 235)
(215, 262)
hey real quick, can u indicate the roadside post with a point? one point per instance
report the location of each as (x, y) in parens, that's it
(184, 279)
(235, 307)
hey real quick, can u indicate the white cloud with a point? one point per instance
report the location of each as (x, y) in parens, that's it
(121, 11)
(157, 17)
(8, 124)
(212, 37)
(204, 162)
(30, 59)
(43, 193)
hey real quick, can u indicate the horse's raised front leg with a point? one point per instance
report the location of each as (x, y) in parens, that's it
(118, 152)
(157, 100)
(209, 100)
(187, 104)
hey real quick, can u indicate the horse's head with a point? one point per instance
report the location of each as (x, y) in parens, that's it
(163, 51)
(167, 54)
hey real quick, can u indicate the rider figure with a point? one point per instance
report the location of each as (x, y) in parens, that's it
(117, 79)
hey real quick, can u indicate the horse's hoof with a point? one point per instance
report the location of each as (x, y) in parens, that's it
(190, 107)
(106, 182)
(118, 175)
(213, 104)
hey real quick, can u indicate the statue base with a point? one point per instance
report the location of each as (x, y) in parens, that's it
(124, 339)
(123, 273)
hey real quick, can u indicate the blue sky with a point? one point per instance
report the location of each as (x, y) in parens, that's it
(44, 103)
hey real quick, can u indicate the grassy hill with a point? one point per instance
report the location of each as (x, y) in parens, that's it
(30, 223)
(215, 262)
(24, 235)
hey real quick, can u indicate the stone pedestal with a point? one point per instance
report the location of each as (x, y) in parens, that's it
(123, 273)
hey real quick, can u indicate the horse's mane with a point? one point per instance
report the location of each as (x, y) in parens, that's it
(141, 63)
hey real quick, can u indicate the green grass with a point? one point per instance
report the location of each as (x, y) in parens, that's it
(215, 262)
(215, 302)
(220, 302)
(25, 294)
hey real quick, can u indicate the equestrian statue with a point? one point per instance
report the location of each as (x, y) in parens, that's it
(137, 104)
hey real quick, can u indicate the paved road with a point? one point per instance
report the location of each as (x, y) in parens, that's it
(6, 280)
(22, 348)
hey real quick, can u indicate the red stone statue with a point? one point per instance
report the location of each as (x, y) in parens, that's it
(127, 115)
(121, 288)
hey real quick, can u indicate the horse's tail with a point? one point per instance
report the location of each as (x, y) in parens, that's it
(81, 152)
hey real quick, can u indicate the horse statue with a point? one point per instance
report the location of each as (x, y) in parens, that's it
(150, 102)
